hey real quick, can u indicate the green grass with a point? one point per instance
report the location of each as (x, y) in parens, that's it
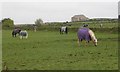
(46, 50)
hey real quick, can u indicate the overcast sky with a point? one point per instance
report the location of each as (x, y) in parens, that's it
(28, 12)
(119, 8)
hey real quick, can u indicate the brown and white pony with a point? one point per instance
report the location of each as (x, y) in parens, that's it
(87, 35)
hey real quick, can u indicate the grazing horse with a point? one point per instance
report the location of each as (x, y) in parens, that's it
(23, 34)
(86, 34)
(63, 30)
(15, 32)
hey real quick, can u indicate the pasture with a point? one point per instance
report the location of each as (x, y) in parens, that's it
(48, 50)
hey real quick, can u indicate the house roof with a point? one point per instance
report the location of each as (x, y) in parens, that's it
(79, 16)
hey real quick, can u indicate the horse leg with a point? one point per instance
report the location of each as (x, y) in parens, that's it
(15, 35)
(20, 37)
(12, 35)
(60, 31)
(26, 36)
(66, 32)
(78, 42)
(87, 42)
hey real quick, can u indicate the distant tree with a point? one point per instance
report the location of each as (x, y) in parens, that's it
(38, 22)
(7, 22)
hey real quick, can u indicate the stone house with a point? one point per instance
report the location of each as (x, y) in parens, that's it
(76, 18)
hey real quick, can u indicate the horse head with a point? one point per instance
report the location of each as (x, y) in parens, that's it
(95, 41)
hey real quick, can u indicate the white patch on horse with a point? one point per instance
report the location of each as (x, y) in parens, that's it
(63, 29)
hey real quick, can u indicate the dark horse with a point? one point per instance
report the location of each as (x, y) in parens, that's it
(15, 32)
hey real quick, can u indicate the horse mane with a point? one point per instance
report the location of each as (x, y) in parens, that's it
(92, 35)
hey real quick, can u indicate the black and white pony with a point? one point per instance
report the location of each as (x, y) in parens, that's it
(23, 34)
(15, 32)
(63, 29)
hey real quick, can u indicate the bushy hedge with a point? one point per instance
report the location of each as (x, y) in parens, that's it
(70, 29)
(108, 26)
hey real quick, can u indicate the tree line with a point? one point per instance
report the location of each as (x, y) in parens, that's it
(9, 23)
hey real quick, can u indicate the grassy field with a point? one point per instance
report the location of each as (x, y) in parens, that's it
(47, 50)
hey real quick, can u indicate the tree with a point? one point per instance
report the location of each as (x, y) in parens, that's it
(38, 22)
(7, 22)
